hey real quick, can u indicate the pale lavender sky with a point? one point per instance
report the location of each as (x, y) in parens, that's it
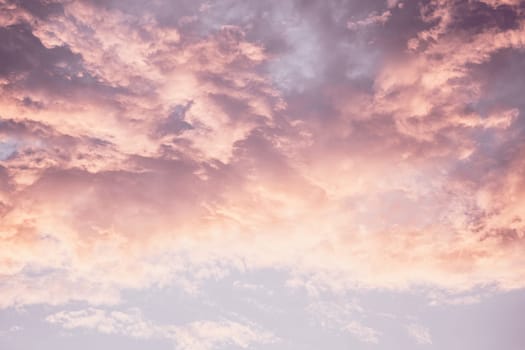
(201, 175)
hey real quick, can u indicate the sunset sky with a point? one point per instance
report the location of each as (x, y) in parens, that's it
(262, 174)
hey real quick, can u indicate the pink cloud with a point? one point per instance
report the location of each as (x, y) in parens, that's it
(146, 153)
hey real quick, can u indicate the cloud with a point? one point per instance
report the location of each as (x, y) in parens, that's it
(370, 20)
(419, 333)
(341, 317)
(332, 314)
(138, 151)
(363, 333)
(201, 335)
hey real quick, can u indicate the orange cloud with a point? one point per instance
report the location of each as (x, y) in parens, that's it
(145, 155)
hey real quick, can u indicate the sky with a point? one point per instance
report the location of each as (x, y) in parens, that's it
(262, 174)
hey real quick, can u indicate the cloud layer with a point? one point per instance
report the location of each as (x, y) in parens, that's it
(353, 145)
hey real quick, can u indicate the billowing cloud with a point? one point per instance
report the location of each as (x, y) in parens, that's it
(356, 146)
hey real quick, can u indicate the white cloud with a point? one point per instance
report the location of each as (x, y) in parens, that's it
(334, 315)
(204, 335)
(108, 322)
(199, 335)
(362, 332)
(338, 316)
(419, 333)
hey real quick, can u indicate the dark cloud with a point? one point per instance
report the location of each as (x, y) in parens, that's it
(475, 16)
(21, 51)
(40, 9)
(29, 65)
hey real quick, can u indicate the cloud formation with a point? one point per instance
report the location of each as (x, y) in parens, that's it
(201, 335)
(344, 144)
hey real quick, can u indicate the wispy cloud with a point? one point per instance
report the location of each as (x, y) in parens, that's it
(419, 333)
(362, 332)
(201, 335)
